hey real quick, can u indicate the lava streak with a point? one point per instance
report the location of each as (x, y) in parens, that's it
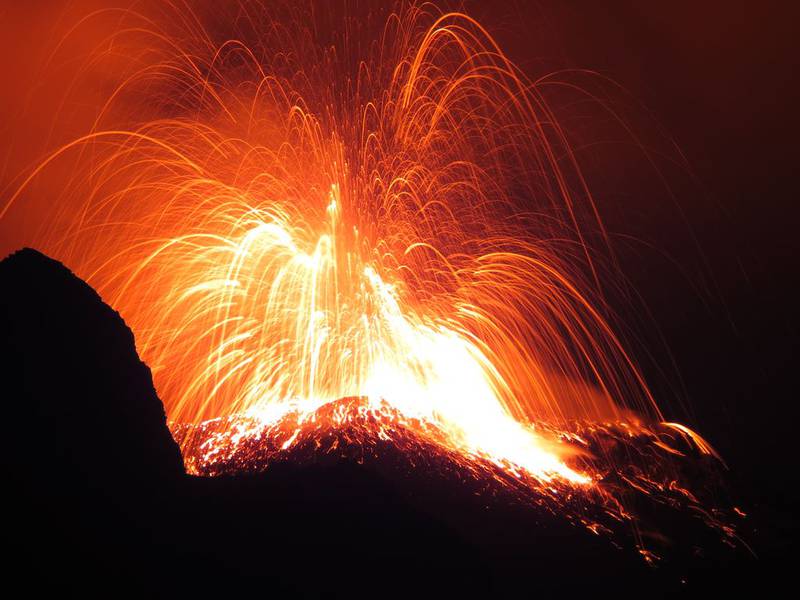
(298, 327)
(287, 216)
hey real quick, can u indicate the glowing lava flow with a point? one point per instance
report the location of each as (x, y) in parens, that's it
(285, 223)
(296, 332)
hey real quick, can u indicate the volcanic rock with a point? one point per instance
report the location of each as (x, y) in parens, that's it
(97, 500)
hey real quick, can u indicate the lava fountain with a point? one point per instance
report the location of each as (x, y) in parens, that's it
(286, 221)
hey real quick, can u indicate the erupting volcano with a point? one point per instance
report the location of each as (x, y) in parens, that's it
(353, 241)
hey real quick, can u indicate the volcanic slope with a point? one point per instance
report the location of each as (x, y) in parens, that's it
(98, 500)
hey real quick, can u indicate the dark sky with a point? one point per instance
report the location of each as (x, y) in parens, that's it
(721, 79)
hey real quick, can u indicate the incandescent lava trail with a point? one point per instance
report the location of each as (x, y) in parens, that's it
(287, 217)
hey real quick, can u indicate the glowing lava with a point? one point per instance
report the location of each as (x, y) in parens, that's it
(284, 223)
(296, 328)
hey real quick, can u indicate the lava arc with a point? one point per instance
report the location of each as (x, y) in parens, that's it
(285, 223)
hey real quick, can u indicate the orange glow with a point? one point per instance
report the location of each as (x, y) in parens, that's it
(286, 225)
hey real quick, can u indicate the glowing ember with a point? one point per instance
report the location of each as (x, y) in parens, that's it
(285, 224)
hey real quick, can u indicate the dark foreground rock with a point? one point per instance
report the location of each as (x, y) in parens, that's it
(88, 459)
(96, 500)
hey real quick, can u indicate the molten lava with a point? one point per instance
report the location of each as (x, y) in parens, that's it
(399, 222)
(296, 328)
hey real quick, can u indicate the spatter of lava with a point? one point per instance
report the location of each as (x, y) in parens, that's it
(634, 477)
(288, 210)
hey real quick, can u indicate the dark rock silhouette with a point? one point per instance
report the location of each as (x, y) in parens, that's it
(86, 441)
(80, 372)
(97, 501)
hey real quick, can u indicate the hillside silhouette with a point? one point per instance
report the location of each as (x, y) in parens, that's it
(98, 502)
